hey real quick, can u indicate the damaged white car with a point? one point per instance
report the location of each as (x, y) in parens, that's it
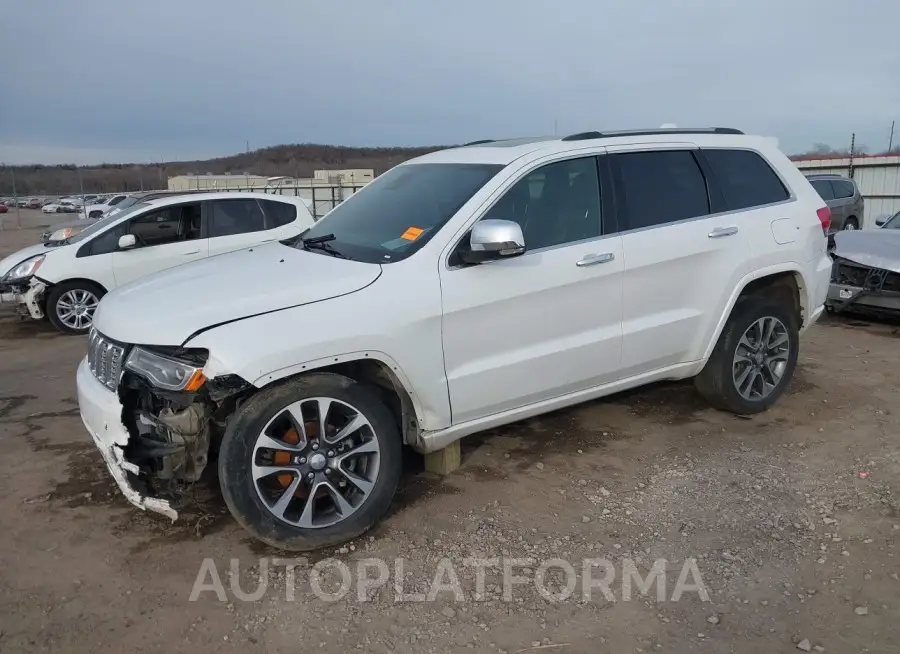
(64, 279)
(866, 272)
(459, 291)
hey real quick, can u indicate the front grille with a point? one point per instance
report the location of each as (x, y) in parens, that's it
(105, 359)
(854, 274)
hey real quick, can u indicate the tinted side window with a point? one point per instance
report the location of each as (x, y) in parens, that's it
(823, 188)
(104, 243)
(746, 179)
(279, 213)
(167, 225)
(235, 217)
(557, 203)
(660, 187)
(842, 189)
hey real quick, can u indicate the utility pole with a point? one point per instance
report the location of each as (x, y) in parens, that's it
(852, 148)
(891, 139)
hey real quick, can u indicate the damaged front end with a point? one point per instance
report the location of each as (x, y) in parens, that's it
(865, 275)
(173, 415)
(28, 296)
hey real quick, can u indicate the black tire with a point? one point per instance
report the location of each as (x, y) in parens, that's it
(56, 292)
(716, 381)
(851, 223)
(236, 479)
(95, 214)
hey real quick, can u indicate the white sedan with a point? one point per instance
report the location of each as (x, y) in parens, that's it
(66, 279)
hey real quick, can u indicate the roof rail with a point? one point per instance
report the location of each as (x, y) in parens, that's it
(481, 142)
(583, 136)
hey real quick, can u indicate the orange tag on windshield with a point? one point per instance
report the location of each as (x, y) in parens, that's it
(412, 233)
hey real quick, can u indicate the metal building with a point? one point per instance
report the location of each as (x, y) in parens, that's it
(877, 176)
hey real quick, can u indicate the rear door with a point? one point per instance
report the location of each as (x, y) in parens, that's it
(166, 237)
(845, 201)
(236, 223)
(683, 255)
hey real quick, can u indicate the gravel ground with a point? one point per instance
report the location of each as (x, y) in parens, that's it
(791, 516)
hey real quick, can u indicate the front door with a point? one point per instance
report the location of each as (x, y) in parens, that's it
(166, 237)
(546, 323)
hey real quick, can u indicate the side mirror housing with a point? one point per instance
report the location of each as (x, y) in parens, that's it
(881, 220)
(127, 241)
(492, 239)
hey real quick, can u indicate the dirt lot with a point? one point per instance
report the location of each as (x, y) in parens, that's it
(792, 517)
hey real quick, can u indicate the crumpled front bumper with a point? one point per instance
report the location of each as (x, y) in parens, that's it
(101, 413)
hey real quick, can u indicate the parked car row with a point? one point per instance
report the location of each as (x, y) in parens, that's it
(459, 291)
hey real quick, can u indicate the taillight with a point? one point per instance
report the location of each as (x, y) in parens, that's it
(824, 215)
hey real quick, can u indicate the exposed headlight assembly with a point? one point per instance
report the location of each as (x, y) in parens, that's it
(165, 372)
(25, 269)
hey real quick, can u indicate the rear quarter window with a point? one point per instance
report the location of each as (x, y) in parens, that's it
(279, 214)
(745, 178)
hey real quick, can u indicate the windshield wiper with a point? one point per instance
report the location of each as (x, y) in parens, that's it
(322, 243)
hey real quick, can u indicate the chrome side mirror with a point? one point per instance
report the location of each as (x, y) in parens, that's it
(492, 239)
(127, 241)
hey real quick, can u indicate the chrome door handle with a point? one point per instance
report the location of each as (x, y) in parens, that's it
(719, 232)
(187, 254)
(594, 259)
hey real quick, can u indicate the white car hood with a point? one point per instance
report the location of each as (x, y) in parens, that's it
(18, 257)
(876, 248)
(169, 307)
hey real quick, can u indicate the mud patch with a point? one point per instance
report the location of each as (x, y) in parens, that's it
(12, 403)
(13, 328)
(88, 482)
(800, 383)
(671, 403)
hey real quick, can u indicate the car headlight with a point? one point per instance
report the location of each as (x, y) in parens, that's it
(61, 234)
(25, 269)
(165, 372)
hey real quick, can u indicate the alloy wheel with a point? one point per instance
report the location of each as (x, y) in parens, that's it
(761, 358)
(316, 462)
(75, 308)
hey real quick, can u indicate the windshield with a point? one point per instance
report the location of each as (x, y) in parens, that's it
(397, 213)
(103, 223)
(127, 202)
(893, 222)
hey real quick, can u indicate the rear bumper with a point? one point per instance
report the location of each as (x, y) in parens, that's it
(101, 414)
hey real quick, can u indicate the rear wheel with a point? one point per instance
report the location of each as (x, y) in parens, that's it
(754, 358)
(71, 306)
(310, 463)
(851, 224)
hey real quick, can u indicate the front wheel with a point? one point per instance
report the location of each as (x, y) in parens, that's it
(71, 306)
(754, 358)
(310, 463)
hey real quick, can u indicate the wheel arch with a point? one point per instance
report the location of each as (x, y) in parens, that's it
(787, 281)
(369, 367)
(85, 280)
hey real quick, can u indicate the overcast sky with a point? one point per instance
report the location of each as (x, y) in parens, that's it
(157, 80)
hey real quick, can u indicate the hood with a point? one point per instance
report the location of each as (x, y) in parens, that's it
(877, 248)
(18, 257)
(170, 306)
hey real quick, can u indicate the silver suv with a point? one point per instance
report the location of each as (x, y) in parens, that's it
(843, 198)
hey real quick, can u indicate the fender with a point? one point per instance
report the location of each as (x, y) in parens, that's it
(423, 417)
(787, 266)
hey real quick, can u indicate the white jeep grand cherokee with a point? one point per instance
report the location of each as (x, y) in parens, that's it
(462, 290)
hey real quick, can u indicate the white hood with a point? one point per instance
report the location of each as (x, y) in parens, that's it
(170, 306)
(18, 257)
